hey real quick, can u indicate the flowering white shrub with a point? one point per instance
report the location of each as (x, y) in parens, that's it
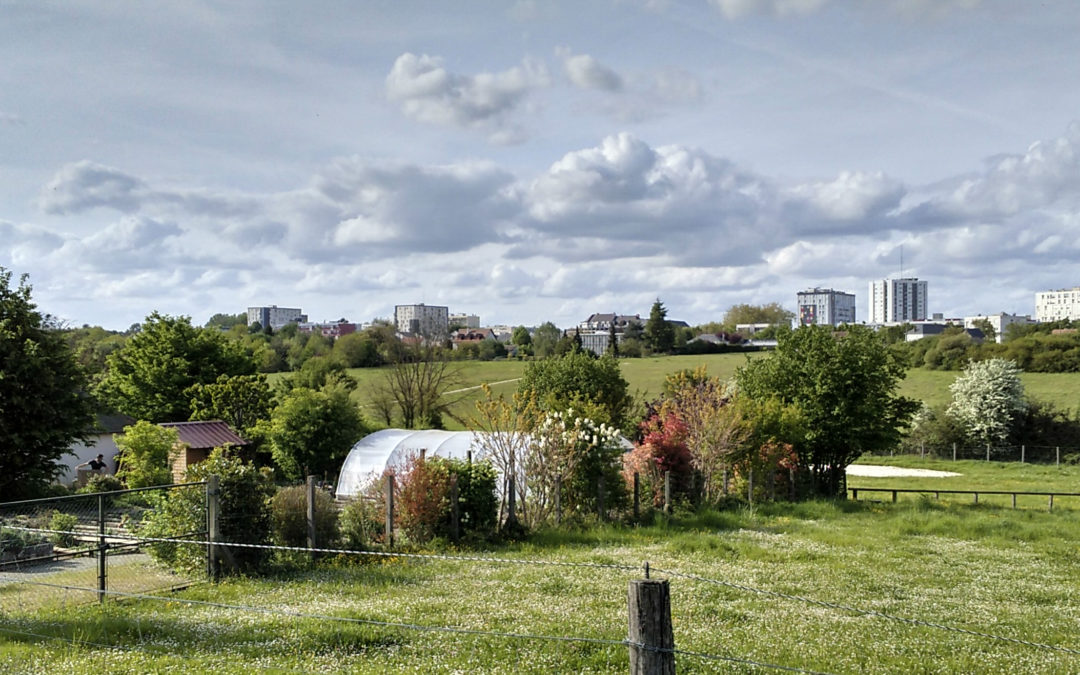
(987, 398)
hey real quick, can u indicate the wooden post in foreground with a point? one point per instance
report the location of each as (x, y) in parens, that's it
(389, 510)
(649, 603)
(311, 512)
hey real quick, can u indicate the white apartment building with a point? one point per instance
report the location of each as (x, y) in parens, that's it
(465, 320)
(999, 322)
(426, 320)
(275, 317)
(1058, 305)
(825, 307)
(897, 300)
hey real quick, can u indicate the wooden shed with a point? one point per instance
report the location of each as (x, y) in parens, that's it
(197, 440)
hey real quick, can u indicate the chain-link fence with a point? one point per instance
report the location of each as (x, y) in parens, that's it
(74, 549)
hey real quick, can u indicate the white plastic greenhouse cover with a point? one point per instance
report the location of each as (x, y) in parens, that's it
(375, 453)
(390, 448)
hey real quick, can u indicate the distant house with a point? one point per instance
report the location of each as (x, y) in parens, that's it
(100, 443)
(922, 330)
(468, 336)
(595, 331)
(197, 439)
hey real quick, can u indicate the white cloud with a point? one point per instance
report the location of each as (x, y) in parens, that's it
(737, 9)
(85, 185)
(429, 93)
(585, 72)
(11, 119)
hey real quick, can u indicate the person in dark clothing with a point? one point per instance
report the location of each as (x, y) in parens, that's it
(97, 464)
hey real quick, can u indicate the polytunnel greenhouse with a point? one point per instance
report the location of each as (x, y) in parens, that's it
(389, 449)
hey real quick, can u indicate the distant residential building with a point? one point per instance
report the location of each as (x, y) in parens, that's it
(897, 301)
(1058, 305)
(466, 336)
(595, 331)
(275, 317)
(330, 329)
(999, 322)
(465, 320)
(825, 307)
(426, 320)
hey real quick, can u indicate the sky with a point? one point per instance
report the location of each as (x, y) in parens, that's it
(535, 161)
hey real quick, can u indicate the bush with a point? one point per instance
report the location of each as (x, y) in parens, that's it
(424, 498)
(65, 524)
(244, 515)
(14, 541)
(362, 522)
(288, 508)
(102, 483)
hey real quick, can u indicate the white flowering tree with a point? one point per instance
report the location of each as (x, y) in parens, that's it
(987, 399)
(565, 447)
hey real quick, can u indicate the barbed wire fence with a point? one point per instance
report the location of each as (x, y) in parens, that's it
(25, 520)
(992, 452)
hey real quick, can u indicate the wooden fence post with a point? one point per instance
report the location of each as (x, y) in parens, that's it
(988, 452)
(922, 449)
(637, 496)
(213, 531)
(651, 639)
(600, 497)
(954, 452)
(1023, 451)
(390, 510)
(311, 511)
(667, 492)
(1057, 454)
(558, 500)
(455, 511)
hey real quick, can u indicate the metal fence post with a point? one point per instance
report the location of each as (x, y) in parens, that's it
(213, 532)
(1057, 454)
(954, 452)
(988, 452)
(652, 642)
(1023, 452)
(311, 511)
(102, 547)
(390, 510)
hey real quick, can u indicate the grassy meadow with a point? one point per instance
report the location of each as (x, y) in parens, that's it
(982, 568)
(646, 379)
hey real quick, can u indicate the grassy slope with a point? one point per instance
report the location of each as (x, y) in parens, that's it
(982, 568)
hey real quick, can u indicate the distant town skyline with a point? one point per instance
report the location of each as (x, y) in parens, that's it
(530, 161)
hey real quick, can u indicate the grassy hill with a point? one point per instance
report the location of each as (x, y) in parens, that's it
(646, 378)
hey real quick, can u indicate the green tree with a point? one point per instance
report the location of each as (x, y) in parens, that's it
(771, 313)
(544, 339)
(311, 432)
(241, 401)
(227, 321)
(521, 336)
(987, 399)
(659, 334)
(845, 388)
(150, 376)
(43, 403)
(146, 451)
(579, 377)
(613, 340)
(357, 350)
(986, 327)
(318, 372)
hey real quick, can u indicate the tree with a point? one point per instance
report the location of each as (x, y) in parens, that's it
(579, 377)
(613, 340)
(771, 313)
(146, 451)
(986, 327)
(521, 337)
(845, 387)
(544, 339)
(43, 402)
(659, 334)
(311, 432)
(241, 401)
(318, 372)
(227, 321)
(987, 399)
(357, 350)
(419, 383)
(150, 376)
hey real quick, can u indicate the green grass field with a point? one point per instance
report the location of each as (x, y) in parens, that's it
(986, 568)
(646, 379)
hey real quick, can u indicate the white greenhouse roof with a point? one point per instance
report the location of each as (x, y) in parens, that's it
(390, 448)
